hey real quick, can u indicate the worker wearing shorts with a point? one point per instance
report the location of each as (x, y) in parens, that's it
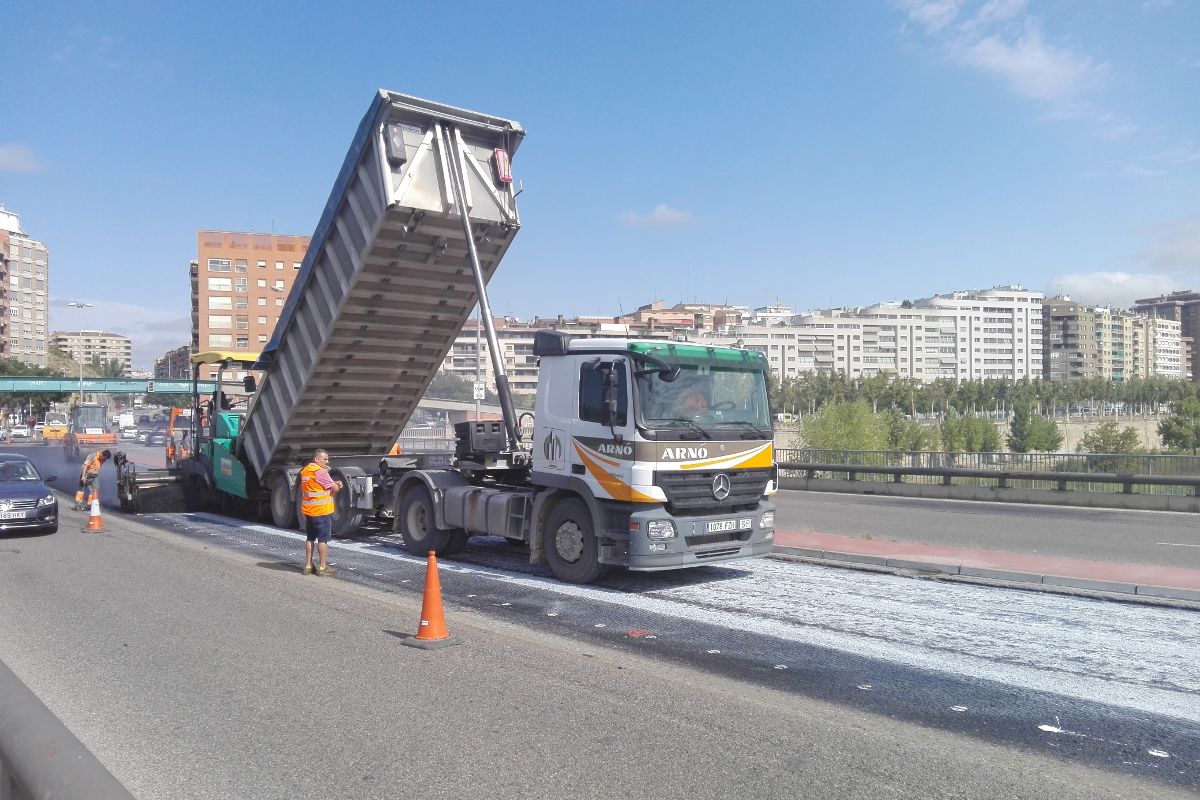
(316, 507)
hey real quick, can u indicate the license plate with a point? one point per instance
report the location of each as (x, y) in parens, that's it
(721, 525)
(12, 515)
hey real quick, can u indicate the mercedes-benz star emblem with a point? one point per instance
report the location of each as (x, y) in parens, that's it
(721, 486)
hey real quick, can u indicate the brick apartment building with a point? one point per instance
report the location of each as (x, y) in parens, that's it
(239, 284)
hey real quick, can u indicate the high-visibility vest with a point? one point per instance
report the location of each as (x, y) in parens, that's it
(315, 499)
(93, 464)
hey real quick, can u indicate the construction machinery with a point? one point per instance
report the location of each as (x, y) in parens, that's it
(87, 431)
(646, 454)
(54, 427)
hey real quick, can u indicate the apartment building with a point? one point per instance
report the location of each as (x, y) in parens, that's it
(83, 346)
(175, 363)
(4, 264)
(1168, 354)
(1182, 307)
(239, 284)
(1085, 341)
(791, 349)
(27, 284)
(515, 338)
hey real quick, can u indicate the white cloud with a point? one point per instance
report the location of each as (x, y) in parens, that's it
(933, 14)
(661, 217)
(154, 331)
(1119, 289)
(18, 158)
(999, 11)
(1031, 67)
(1001, 38)
(1177, 248)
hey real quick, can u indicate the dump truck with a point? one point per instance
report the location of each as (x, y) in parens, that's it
(645, 454)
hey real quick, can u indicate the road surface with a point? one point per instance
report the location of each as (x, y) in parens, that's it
(1154, 538)
(195, 660)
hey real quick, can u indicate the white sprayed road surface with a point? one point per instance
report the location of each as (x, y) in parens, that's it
(1141, 658)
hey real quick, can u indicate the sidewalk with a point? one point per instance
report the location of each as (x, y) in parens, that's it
(1168, 582)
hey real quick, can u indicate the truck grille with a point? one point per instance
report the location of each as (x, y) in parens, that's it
(690, 491)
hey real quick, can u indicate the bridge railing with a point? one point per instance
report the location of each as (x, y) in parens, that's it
(1134, 474)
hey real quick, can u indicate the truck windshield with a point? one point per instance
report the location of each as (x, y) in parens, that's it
(56, 418)
(708, 397)
(91, 416)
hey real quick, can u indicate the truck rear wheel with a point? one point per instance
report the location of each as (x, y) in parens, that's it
(570, 543)
(283, 509)
(418, 525)
(346, 518)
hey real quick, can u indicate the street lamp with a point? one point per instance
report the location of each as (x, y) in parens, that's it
(81, 307)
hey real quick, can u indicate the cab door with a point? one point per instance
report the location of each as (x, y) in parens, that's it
(601, 451)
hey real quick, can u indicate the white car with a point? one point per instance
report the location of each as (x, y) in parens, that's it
(20, 431)
(129, 432)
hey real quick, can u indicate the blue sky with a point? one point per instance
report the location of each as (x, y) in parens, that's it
(815, 153)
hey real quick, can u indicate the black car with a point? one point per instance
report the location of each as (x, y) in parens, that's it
(26, 503)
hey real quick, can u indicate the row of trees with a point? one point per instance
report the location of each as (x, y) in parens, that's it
(807, 393)
(856, 426)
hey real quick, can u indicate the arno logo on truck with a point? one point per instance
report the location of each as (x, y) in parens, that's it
(684, 453)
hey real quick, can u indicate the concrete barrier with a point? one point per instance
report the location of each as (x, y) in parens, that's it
(1046, 497)
(39, 758)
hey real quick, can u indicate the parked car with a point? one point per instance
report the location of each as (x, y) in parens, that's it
(26, 502)
(129, 432)
(20, 432)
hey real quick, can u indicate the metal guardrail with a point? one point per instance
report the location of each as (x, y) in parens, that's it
(1151, 474)
(40, 758)
(1002, 478)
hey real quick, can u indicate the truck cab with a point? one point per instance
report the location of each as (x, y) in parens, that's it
(670, 444)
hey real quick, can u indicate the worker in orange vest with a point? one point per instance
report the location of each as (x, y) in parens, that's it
(89, 477)
(316, 506)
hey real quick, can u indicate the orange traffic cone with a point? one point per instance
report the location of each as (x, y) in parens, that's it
(94, 521)
(432, 632)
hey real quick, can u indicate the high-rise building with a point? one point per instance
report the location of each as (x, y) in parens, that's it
(1083, 341)
(4, 265)
(28, 286)
(239, 284)
(175, 363)
(83, 346)
(1184, 308)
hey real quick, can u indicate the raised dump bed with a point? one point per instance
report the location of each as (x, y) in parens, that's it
(387, 282)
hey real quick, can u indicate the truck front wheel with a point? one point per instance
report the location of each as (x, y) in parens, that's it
(418, 525)
(570, 543)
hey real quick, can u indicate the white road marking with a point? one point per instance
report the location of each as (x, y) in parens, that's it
(1177, 544)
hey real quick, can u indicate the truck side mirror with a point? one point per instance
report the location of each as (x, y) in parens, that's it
(609, 402)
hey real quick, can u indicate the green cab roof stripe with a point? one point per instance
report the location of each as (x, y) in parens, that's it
(694, 353)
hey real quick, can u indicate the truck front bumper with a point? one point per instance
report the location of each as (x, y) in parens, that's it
(694, 545)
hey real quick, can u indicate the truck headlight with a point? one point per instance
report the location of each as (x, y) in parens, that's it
(660, 529)
(48, 500)
(767, 521)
